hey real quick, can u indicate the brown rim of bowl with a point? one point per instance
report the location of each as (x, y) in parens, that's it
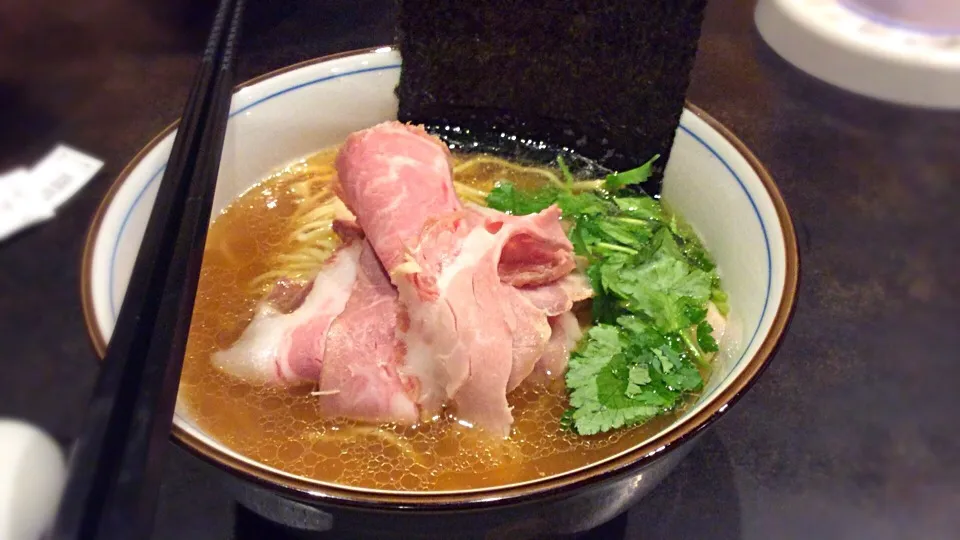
(312, 490)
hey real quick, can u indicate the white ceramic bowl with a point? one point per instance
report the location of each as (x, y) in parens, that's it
(711, 179)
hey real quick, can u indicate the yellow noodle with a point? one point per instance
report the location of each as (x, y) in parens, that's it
(507, 165)
(311, 203)
(303, 256)
(586, 185)
(322, 226)
(302, 189)
(470, 193)
(316, 213)
(266, 280)
(312, 233)
(464, 188)
(325, 223)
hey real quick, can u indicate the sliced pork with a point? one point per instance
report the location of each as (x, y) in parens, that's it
(359, 376)
(338, 332)
(564, 334)
(472, 337)
(395, 169)
(470, 332)
(281, 347)
(428, 303)
(559, 296)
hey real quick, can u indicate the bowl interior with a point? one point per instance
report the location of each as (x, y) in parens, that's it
(287, 115)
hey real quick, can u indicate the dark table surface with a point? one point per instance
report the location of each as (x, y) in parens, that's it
(851, 433)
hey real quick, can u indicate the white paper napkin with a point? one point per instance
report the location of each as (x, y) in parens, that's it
(31, 196)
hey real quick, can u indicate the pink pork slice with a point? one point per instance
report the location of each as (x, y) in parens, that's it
(397, 177)
(284, 348)
(472, 334)
(473, 337)
(341, 336)
(564, 334)
(359, 377)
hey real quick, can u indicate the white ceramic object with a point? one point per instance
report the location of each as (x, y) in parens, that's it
(869, 56)
(928, 16)
(32, 474)
(711, 180)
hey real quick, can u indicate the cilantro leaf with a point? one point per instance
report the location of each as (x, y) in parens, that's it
(602, 343)
(505, 197)
(695, 313)
(604, 304)
(652, 279)
(639, 376)
(564, 171)
(616, 181)
(705, 338)
(663, 290)
(589, 231)
(579, 240)
(595, 418)
(667, 245)
(668, 359)
(640, 207)
(685, 378)
(597, 380)
(612, 381)
(643, 335)
(626, 231)
(575, 205)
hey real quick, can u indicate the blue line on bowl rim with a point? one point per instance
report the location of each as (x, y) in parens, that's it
(154, 176)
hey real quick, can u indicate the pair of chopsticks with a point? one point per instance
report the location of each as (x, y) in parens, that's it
(115, 466)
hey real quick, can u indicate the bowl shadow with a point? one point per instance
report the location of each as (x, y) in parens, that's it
(699, 499)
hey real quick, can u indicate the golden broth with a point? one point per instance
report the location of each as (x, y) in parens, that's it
(284, 428)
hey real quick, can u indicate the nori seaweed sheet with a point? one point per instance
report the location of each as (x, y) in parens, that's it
(605, 78)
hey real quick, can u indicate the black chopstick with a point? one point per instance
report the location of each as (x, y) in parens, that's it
(115, 465)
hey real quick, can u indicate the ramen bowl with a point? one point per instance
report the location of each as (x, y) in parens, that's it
(712, 180)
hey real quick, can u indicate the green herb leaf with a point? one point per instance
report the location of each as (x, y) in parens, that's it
(625, 231)
(507, 198)
(663, 290)
(595, 418)
(565, 171)
(705, 338)
(641, 174)
(639, 376)
(640, 208)
(652, 279)
(582, 204)
(602, 343)
(612, 381)
(577, 239)
(686, 378)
